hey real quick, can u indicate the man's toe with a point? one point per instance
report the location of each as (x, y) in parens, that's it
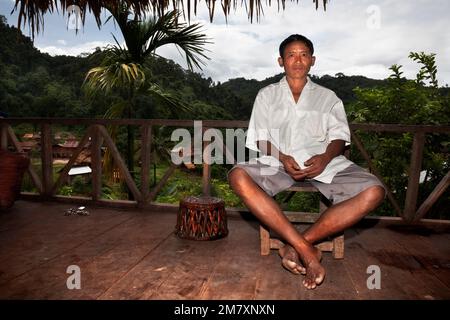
(290, 266)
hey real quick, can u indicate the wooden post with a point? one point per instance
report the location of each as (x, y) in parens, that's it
(3, 136)
(338, 247)
(206, 177)
(47, 160)
(414, 176)
(96, 163)
(146, 147)
(264, 237)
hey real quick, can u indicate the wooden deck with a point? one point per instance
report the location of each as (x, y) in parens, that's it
(135, 255)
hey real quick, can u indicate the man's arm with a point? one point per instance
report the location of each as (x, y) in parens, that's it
(316, 164)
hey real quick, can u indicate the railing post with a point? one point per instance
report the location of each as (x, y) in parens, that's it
(47, 159)
(414, 176)
(3, 136)
(146, 146)
(96, 162)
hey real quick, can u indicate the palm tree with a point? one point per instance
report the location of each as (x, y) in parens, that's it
(34, 10)
(124, 69)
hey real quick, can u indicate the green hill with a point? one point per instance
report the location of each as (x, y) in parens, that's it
(37, 84)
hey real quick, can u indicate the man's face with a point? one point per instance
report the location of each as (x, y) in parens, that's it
(296, 60)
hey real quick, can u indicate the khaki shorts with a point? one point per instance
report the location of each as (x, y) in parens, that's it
(345, 184)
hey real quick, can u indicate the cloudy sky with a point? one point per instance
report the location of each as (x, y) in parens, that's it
(355, 37)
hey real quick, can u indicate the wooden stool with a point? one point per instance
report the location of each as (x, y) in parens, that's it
(335, 245)
(201, 218)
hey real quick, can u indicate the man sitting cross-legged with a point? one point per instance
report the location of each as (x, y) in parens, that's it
(301, 129)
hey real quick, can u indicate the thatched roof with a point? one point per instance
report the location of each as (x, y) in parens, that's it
(32, 11)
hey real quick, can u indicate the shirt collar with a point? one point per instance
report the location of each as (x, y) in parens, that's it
(310, 85)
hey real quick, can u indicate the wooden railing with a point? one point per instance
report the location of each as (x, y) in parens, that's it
(98, 136)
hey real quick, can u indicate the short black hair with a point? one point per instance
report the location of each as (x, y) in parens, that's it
(293, 38)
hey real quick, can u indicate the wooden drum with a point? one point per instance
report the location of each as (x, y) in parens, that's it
(201, 218)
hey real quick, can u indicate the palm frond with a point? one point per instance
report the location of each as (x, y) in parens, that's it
(115, 73)
(170, 100)
(188, 38)
(142, 38)
(116, 110)
(33, 10)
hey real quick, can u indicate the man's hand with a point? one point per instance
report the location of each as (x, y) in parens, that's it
(291, 166)
(315, 165)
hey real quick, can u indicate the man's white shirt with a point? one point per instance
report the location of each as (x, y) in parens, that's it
(301, 129)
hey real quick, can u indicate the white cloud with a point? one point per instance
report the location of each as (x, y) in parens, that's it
(75, 50)
(63, 42)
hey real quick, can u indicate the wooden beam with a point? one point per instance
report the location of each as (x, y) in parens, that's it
(79, 200)
(96, 163)
(146, 145)
(414, 176)
(432, 198)
(374, 170)
(34, 176)
(380, 127)
(47, 159)
(120, 163)
(136, 122)
(65, 171)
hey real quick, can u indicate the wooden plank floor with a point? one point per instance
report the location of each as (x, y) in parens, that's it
(135, 255)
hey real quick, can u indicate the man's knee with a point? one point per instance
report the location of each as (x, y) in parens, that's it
(373, 196)
(236, 177)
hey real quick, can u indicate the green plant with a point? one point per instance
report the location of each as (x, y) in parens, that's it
(404, 101)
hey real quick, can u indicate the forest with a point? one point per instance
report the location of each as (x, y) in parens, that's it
(39, 85)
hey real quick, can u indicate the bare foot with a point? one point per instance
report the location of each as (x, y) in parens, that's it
(290, 260)
(315, 273)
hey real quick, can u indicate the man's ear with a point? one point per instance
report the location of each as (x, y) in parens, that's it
(280, 61)
(313, 60)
